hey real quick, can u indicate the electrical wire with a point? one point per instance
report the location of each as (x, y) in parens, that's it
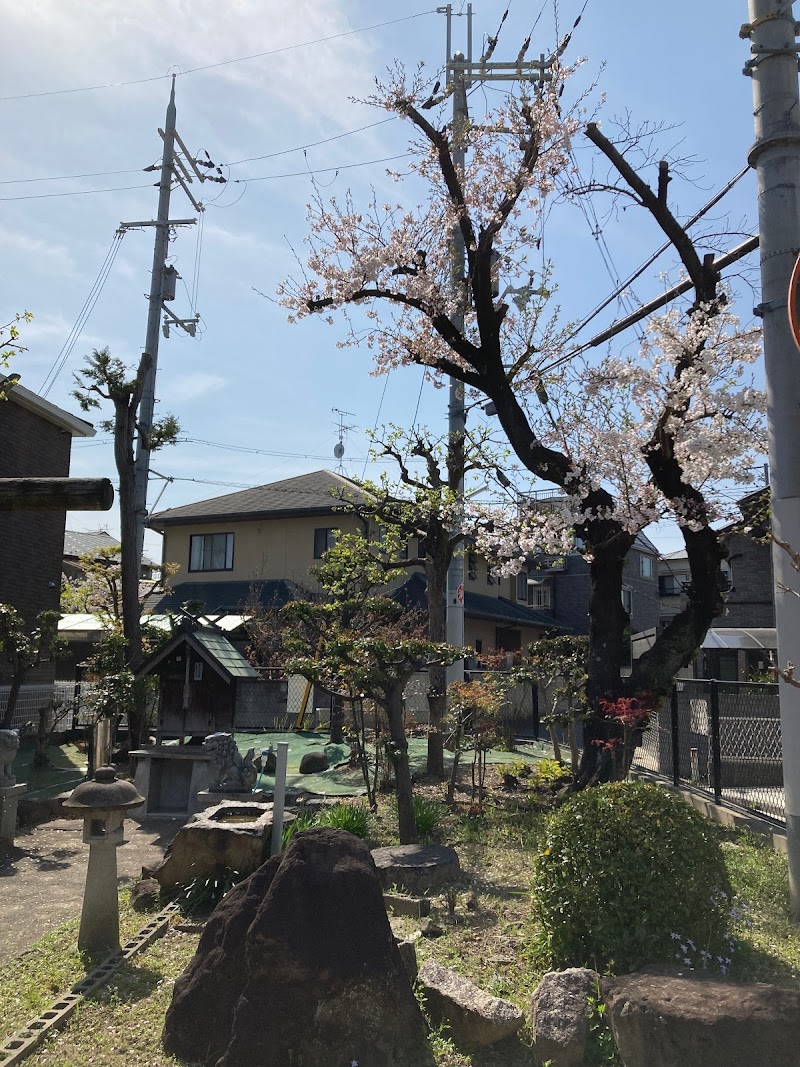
(76, 192)
(321, 170)
(221, 63)
(236, 163)
(377, 417)
(83, 315)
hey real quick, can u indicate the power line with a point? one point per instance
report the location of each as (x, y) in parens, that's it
(236, 163)
(83, 314)
(321, 170)
(221, 63)
(76, 192)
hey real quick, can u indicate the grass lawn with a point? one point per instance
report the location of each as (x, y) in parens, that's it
(490, 937)
(67, 767)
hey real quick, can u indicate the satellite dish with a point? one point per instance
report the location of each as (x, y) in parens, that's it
(338, 450)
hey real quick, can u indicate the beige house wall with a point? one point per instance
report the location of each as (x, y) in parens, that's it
(262, 549)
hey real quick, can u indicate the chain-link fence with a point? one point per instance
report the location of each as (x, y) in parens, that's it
(723, 738)
(70, 703)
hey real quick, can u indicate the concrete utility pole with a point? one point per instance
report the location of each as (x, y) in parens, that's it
(461, 72)
(775, 156)
(162, 288)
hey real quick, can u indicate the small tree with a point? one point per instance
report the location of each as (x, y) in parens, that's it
(357, 641)
(475, 707)
(23, 651)
(105, 378)
(9, 341)
(425, 504)
(559, 663)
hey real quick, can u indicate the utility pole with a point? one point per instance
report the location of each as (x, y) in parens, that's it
(461, 72)
(775, 156)
(175, 166)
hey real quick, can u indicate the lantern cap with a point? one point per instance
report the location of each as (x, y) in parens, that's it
(104, 793)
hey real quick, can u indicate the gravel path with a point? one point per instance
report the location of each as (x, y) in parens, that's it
(42, 878)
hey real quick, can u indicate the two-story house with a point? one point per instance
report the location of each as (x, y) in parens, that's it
(35, 442)
(269, 537)
(742, 640)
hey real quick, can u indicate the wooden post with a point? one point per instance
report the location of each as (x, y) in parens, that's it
(56, 494)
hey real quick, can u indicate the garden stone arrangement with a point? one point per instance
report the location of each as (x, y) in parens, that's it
(298, 964)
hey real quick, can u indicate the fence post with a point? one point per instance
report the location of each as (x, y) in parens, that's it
(676, 751)
(716, 756)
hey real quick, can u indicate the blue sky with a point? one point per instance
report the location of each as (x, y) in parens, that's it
(251, 380)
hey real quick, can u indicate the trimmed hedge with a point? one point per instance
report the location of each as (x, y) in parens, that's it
(626, 870)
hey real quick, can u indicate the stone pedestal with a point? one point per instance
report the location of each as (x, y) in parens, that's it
(170, 777)
(99, 929)
(9, 798)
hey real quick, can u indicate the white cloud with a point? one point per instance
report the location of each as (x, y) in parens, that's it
(40, 256)
(193, 386)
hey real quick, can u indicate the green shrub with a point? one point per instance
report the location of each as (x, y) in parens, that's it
(549, 772)
(427, 815)
(351, 817)
(301, 822)
(626, 871)
(203, 894)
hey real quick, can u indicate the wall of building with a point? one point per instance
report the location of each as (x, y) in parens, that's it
(750, 600)
(31, 542)
(262, 549)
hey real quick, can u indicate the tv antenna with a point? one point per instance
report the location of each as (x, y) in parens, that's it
(342, 428)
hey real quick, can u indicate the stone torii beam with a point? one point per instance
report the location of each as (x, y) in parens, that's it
(56, 494)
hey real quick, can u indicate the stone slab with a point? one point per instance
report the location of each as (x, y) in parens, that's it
(418, 869)
(474, 1016)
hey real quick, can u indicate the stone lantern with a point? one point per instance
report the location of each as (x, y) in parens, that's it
(102, 804)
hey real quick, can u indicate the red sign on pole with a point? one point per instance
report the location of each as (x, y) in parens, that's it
(460, 594)
(794, 302)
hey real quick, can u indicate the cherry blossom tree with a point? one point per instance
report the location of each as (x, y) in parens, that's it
(628, 440)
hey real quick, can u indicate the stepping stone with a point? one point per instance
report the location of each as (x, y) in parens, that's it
(417, 869)
(474, 1016)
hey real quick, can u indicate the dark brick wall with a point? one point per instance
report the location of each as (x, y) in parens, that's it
(572, 586)
(750, 601)
(31, 543)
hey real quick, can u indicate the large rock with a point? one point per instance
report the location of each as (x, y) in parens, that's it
(313, 763)
(560, 1015)
(474, 1017)
(298, 965)
(234, 834)
(668, 1021)
(417, 868)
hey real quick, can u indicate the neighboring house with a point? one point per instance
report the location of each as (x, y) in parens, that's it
(559, 586)
(742, 641)
(79, 543)
(35, 442)
(269, 538)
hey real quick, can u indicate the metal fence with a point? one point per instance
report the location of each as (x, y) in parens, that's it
(74, 700)
(723, 738)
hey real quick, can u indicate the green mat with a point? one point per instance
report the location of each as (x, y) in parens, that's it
(347, 781)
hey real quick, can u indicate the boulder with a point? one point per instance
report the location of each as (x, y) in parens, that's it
(298, 965)
(408, 954)
(233, 834)
(145, 895)
(417, 868)
(560, 1015)
(474, 1017)
(663, 1020)
(313, 763)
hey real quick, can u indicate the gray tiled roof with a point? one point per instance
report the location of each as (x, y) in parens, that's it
(79, 542)
(307, 494)
(228, 597)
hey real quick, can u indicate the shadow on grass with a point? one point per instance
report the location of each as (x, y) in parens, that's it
(130, 984)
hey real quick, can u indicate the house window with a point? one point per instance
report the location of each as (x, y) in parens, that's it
(472, 567)
(539, 596)
(627, 600)
(670, 585)
(646, 566)
(211, 552)
(324, 538)
(522, 587)
(491, 579)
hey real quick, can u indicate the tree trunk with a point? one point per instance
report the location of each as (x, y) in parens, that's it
(402, 769)
(437, 675)
(607, 622)
(13, 697)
